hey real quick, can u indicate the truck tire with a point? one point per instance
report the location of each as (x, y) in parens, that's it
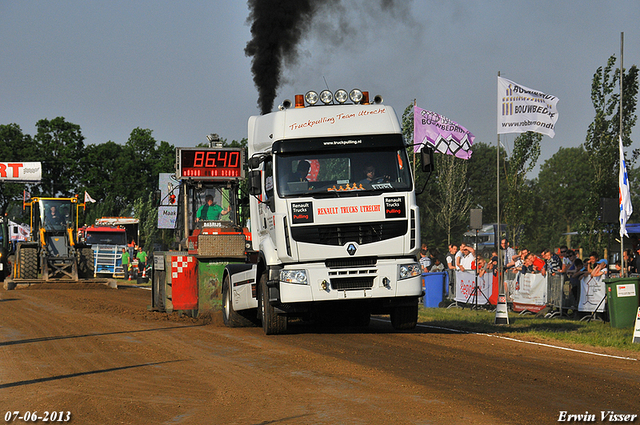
(404, 317)
(86, 265)
(28, 263)
(232, 318)
(272, 322)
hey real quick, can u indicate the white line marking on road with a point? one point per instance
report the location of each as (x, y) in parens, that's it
(531, 342)
(521, 341)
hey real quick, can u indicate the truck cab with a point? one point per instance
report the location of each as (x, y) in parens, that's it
(344, 236)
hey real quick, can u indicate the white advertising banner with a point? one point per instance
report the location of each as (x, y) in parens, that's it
(592, 292)
(521, 109)
(20, 171)
(530, 289)
(167, 217)
(168, 209)
(465, 284)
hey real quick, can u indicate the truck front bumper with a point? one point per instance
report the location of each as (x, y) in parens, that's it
(351, 283)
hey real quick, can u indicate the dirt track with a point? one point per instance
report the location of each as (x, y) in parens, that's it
(97, 353)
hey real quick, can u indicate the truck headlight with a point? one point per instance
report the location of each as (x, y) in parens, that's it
(409, 270)
(294, 276)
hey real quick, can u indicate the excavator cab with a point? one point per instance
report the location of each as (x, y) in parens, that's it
(56, 218)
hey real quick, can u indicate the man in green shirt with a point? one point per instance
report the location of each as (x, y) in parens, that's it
(142, 262)
(210, 211)
(125, 263)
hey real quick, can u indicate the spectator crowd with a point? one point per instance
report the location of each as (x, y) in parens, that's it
(560, 260)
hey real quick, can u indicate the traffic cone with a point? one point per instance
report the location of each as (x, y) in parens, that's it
(636, 332)
(502, 316)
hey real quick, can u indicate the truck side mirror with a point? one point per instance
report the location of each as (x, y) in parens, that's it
(426, 159)
(254, 161)
(255, 184)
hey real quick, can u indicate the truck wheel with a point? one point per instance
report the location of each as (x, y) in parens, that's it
(232, 318)
(404, 317)
(86, 264)
(28, 263)
(272, 322)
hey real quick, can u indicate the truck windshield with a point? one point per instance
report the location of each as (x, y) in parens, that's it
(343, 173)
(56, 214)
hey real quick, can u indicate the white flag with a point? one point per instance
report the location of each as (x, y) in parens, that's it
(625, 195)
(88, 198)
(521, 109)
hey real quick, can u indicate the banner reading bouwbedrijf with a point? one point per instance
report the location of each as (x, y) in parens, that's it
(521, 109)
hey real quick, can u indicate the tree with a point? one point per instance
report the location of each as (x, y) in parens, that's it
(481, 180)
(602, 139)
(14, 146)
(145, 209)
(518, 207)
(444, 204)
(451, 203)
(564, 183)
(103, 177)
(428, 228)
(60, 145)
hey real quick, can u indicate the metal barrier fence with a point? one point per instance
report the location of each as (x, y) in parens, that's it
(556, 292)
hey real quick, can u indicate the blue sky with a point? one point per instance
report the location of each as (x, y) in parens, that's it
(179, 68)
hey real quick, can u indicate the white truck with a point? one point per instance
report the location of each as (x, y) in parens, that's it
(334, 220)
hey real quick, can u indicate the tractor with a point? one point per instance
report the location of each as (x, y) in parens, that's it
(53, 251)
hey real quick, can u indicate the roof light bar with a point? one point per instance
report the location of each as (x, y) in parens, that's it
(341, 96)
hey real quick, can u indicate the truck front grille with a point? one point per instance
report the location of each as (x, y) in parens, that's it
(349, 283)
(361, 233)
(332, 263)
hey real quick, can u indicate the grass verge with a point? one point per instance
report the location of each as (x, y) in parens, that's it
(530, 327)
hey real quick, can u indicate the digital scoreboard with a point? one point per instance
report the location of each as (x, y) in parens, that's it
(210, 163)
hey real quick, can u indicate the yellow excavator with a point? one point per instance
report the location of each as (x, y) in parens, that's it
(53, 252)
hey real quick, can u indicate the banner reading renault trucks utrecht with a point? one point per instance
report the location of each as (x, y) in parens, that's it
(521, 109)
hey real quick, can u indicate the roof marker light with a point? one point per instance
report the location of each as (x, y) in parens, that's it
(299, 101)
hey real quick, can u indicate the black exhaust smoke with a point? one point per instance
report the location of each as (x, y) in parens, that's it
(276, 27)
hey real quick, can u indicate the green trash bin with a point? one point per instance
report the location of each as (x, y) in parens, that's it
(622, 299)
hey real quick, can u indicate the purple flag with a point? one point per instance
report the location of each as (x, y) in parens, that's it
(442, 134)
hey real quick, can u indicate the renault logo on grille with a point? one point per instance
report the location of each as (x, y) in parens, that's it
(351, 249)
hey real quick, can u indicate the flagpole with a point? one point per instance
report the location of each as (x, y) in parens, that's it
(498, 230)
(413, 147)
(623, 271)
